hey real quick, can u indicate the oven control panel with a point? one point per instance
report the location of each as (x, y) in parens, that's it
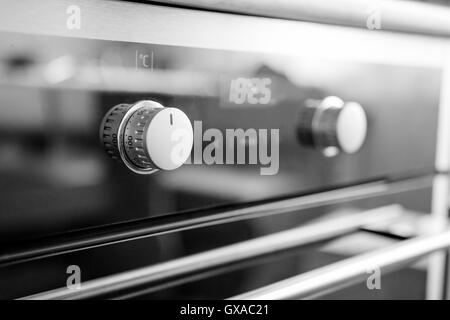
(221, 126)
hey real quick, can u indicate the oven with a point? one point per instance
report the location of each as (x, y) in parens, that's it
(163, 152)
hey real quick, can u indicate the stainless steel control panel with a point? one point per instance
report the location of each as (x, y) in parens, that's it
(259, 126)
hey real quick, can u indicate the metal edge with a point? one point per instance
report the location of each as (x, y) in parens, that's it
(275, 242)
(401, 16)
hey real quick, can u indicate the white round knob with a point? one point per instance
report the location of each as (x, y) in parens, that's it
(333, 124)
(351, 127)
(147, 137)
(169, 138)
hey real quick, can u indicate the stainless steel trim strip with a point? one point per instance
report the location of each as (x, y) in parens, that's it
(349, 271)
(108, 235)
(299, 236)
(441, 187)
(156, 24)
(403, 16)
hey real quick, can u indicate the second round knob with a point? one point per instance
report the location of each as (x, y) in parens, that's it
(333, 123)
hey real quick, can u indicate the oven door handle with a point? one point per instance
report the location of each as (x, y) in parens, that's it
(350, 271)
(295, 237)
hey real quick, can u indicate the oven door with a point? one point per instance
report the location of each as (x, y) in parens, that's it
(352, 233)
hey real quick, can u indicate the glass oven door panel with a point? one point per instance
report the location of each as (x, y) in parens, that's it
(104, 260)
